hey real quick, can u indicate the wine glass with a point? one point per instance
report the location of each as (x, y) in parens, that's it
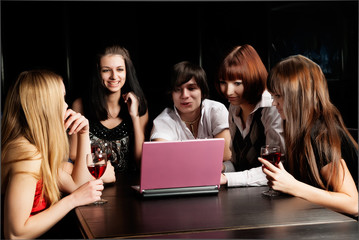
(96, 164)
(272, 154)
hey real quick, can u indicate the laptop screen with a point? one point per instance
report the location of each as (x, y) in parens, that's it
(177, 164)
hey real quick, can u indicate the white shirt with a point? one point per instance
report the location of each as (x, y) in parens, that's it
(274, 135)
(168, 125)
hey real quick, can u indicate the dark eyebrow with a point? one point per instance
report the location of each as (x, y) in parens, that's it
(192, 85)
(120, 66)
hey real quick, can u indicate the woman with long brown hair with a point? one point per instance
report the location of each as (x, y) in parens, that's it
(321, 157)
(116, 108)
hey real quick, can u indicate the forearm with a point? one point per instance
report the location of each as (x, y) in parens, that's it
(139, 138)
(80, 173)
(343, 198)
(251, 177)
(337, 201)
(38, 224)
(73, 146)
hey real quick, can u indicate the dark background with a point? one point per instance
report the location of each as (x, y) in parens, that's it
(64, 36)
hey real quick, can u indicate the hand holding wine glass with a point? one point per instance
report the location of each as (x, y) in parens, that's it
(272, 154)
(96, 164)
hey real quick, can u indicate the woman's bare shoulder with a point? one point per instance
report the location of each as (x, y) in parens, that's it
(23, 156)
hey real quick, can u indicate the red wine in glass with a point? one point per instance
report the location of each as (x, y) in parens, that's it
(97, 170)
(273, 155)
(96, 164)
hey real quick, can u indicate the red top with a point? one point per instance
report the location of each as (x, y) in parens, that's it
(40, 203)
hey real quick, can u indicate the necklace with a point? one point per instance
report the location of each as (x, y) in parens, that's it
(191, 123)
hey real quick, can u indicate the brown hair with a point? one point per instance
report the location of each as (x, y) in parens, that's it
(243, 63)
(184, 71)
(308, 114)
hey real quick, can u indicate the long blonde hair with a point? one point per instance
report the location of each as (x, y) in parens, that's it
(34, 110)
(307, 108)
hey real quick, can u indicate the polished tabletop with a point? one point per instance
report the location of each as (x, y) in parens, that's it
(232, 213)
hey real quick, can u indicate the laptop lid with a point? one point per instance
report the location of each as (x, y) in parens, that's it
(181, 164)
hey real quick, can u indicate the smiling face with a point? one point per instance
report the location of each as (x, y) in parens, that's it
(233, 91)
(187, 99)
(113, 72)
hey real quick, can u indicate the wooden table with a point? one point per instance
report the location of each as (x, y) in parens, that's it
(233, 213)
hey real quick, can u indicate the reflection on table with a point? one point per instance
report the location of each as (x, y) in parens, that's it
(233, 213)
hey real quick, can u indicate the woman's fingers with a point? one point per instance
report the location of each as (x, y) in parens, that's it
(75, 122)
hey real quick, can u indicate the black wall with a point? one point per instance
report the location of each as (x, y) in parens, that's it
(63, 37)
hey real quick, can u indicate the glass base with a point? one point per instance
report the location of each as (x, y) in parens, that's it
(100, 202)
(271, 193)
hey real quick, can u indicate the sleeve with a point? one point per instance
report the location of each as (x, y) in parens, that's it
(249, 178)
(219, 118)
(273, 127)
(163, 127)
(228, 166)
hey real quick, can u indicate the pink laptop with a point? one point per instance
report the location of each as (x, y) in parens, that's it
(181, 167)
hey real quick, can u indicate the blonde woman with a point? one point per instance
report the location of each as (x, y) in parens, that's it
(321, 157)
(33, 146)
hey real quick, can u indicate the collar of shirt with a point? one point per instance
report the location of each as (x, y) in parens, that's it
(266, 101)
(183, 124)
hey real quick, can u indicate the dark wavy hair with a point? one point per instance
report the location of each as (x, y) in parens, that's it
(95, 107)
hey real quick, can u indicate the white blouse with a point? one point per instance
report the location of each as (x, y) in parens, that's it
(273, 128)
